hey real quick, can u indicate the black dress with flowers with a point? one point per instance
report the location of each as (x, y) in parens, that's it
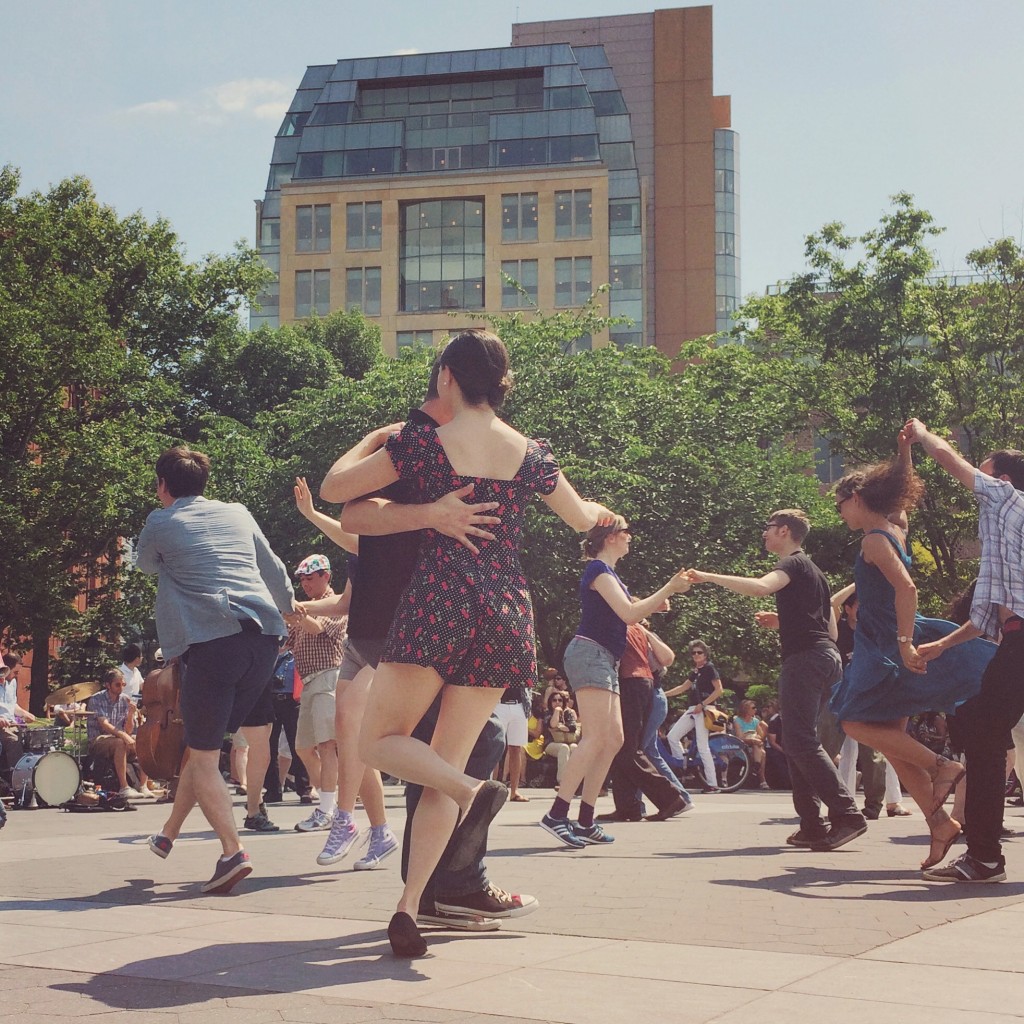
(469, 617)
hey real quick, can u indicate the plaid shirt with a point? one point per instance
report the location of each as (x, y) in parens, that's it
(317, 652)
(1001, 573)
(113, 711)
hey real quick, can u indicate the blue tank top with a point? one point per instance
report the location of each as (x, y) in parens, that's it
(597, 620)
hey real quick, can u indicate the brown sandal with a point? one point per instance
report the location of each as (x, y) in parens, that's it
(939, 817)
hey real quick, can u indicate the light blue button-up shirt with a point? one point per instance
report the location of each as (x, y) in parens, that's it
(215, 567)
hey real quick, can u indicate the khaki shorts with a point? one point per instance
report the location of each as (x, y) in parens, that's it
(316, 720)
(355, 660)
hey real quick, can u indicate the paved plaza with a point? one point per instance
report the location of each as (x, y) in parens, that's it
(709, 917)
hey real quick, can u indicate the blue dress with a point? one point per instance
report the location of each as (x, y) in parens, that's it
(876, 687)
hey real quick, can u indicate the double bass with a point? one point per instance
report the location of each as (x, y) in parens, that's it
(160, 740)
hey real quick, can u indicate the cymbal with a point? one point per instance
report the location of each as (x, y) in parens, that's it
(72, 694)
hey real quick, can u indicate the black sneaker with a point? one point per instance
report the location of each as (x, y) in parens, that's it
(435, 918)
(259, 823)
(228, 873)
(488, 902)
(839, 835)
(805, 840)
(967, 869)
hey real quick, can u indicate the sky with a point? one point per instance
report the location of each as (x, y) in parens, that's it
(170, 106)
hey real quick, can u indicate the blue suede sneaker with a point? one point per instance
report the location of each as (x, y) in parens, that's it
(593, 836)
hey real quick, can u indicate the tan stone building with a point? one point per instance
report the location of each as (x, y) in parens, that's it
(589, 152)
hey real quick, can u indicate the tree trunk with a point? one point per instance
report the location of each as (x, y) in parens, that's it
(39, 687)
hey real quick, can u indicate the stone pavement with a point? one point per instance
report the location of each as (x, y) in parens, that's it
(708, 917)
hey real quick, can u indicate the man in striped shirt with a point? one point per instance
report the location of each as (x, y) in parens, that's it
(997, 611)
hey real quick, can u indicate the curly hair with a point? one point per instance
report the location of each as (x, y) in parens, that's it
(885, 488)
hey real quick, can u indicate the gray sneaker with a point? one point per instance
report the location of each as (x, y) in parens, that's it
(316, 822)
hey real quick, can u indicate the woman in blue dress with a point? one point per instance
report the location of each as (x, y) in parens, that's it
(887, 681)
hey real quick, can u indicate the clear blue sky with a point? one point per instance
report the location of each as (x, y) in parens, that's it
(170, 106)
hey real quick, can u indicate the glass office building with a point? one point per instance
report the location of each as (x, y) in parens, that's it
(421, 185)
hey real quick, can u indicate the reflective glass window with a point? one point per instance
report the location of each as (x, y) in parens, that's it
(313, 228)
(362, 289)
(624, 217)
(312, 293)
(618, 155)
(608, 103)
(409, 339)
(519, 217)
(521, 291)
(573, 280)
(362, 225)
(441, 255)
(574, 213)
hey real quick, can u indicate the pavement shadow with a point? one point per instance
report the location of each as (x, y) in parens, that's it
(139, 891)
(817, 883)
(168, 982)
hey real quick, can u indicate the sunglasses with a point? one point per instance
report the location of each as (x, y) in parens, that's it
(842, 501)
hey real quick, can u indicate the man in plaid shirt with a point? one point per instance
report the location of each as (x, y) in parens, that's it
(997, 611)
(319, 646)
(111, 731)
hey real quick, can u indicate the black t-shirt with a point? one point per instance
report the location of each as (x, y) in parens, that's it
(803, 605)
(385, 564)
(775, 728)
(703, 680)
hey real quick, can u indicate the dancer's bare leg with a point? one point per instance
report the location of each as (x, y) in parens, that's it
(399, 697)
(354, 778)
(601, 717)
(256, 765)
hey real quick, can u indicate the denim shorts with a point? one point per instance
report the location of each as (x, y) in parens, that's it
(589, 664)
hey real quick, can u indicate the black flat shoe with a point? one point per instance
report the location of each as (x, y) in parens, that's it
(405, 937)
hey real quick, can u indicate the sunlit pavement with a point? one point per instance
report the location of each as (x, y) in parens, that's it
(708, 917)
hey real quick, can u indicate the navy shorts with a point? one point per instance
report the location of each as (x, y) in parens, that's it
(223, 681)
(262, 712)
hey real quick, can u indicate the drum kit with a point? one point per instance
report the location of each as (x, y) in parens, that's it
(46, 775)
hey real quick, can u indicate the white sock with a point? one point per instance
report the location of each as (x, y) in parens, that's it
(327, 801)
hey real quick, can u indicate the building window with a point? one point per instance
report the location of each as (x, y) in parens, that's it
(313, 228)
(362, 289)
(447, 158)
(362, 226)
(312, 293)
(573, 281)
(410, 339)
(573, 214)
(441, 255)
(519, 217)
(521, 291)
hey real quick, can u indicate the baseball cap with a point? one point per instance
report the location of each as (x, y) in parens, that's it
(312, 564)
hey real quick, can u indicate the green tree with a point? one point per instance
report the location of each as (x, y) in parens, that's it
(96, 311)
(869, 336)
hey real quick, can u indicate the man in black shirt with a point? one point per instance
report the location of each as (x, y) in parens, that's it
(810, 666)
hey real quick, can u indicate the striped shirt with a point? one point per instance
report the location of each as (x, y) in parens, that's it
(317, 652)
(113, 711)
(1001, 573)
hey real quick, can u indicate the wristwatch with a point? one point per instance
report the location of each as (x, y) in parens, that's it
(904, 639)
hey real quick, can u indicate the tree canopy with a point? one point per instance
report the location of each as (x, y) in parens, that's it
(116, 347)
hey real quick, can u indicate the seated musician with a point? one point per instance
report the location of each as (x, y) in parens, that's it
(111, 731)
(11, 713)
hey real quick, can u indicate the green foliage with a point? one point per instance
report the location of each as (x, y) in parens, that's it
(867, 338)
(95, 311)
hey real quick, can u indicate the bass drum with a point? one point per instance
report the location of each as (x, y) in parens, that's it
(52, 778)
